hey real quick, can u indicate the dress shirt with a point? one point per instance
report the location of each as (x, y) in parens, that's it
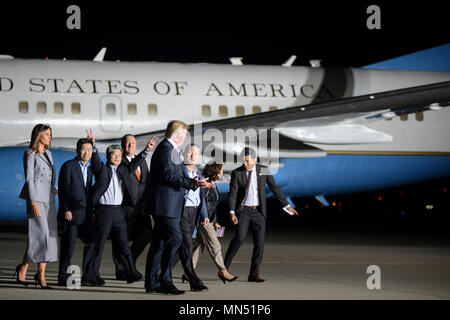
(192, 197)
(113, 195)
(176, 148)
(84, 170)
(252, 197)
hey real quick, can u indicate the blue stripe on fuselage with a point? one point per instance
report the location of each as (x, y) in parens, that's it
(333, 174)
(434, 59)
(339, 174)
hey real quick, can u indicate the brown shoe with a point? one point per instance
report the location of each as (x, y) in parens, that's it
(255, 278)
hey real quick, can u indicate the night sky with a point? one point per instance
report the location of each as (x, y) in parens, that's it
(212, 31)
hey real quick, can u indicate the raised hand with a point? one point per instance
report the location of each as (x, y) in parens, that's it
(151, 144)
(90, 135)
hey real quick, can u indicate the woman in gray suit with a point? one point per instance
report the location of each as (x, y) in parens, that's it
(39, 192)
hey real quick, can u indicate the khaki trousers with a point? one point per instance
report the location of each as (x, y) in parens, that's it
(206, 237)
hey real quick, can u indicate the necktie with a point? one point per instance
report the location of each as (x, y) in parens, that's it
(248, 188)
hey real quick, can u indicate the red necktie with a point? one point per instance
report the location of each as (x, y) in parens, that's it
(248, 188)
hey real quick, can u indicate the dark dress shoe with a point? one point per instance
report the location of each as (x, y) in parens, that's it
(199, 288)
(171, 289)
(100, 281)
(154, 290)
(135, 278)
(63, 282)
(89, 283)
(255, 278)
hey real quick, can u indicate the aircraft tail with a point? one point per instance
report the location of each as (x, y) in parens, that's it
(433, 59)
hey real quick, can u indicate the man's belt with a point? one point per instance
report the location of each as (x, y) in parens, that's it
(111, 206)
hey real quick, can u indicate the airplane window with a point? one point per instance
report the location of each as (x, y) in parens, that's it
(271, 108)
(419, 116)
(152, 110)
(110, 109)
(132, 109)
(256, 109)
(76, 108)
(206, 110)
(23, 107)
(58, 108)
(240, 111)
(41, 107)
(223, 111)
(404, 117)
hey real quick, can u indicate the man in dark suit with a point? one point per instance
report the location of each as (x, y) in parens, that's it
(168, 185)
(110, 194)
(75, 213)
(139, 224)
(247, 200)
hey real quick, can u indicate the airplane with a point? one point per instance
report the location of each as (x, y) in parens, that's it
(322, 131)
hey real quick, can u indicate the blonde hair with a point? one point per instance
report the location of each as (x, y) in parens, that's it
(35, 133)
(174, 126)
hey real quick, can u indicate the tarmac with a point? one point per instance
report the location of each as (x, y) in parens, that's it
(310, 264)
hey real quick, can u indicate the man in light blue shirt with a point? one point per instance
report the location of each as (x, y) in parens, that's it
(194, 210)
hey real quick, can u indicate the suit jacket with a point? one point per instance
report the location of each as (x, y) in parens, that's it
(40, 177)
(168, 182)
(238, 186)
(203, 212)
(73, 195)
(212, 200)
(103, 176)
(138, 188)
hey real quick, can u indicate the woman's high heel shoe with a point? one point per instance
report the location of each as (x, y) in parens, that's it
(36, 280)
(17, 277)
(221, 277)
(185, 278)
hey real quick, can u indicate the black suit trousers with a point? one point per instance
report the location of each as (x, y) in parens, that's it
(108, 220)
(248, 218)
(187, 225)
(88, 235)
(139, 230)
(166, 240)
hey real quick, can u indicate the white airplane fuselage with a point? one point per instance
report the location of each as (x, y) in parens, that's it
(116, 98)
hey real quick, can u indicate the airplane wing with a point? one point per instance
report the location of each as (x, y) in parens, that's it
(372, 106)
(339, 121)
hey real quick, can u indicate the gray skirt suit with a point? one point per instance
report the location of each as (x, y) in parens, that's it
(40, 176)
